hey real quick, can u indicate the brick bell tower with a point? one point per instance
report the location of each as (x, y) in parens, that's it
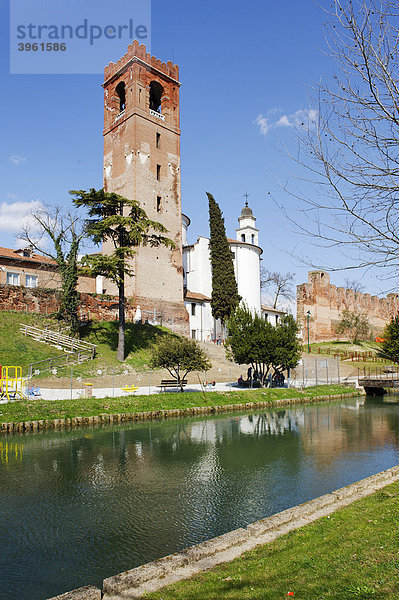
(142, 162)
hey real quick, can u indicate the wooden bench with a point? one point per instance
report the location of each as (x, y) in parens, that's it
(172, 383)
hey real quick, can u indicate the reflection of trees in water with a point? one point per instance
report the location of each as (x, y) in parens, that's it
(147, 489)
(172, 452)
(273, 423)
(63, 460)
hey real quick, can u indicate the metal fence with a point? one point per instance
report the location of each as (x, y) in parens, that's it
(317, 371)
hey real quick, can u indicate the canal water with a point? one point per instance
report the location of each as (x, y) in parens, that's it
(79, 506)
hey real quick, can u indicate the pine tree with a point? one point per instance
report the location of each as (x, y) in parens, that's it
(115, 218)
(390, 345)
(225, 298)
(253, 340)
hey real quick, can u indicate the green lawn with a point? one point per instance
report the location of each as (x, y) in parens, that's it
(353, 554)
(37, 409)
(16, 349)
(332, 347)
(138, 341)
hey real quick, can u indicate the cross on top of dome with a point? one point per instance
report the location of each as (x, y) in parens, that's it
(246, 211)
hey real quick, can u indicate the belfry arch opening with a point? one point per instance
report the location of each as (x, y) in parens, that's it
(121, 93)
(156, 93)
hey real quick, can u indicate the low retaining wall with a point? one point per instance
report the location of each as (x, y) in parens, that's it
(106, 419)
(46, 301)
(182, 565)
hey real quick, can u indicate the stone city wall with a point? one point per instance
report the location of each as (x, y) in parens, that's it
(326, 303)
(102, 308)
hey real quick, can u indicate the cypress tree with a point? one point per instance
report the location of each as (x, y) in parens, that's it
(225, 298)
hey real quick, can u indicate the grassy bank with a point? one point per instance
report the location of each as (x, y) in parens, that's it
(351, 555)
(337, 346)
(18, 349)
(37, 409)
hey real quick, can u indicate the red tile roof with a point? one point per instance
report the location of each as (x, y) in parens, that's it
(273, 310)
(196, 296)
(18, 256)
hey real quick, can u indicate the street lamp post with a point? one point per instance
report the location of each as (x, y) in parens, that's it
(308, 318)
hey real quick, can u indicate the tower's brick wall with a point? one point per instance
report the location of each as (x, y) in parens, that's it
(142, 162)
(326, 303)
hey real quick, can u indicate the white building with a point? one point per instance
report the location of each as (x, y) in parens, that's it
(272, 315)
(198, 274)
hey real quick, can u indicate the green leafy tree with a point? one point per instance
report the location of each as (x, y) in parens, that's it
(354, 325)
(390, 345)
(288, 348)
(225, 296)
(65, 232)
(123, 222)
(254, 341)
(179, 356)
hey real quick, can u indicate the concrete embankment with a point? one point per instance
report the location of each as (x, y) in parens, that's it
(182, 565)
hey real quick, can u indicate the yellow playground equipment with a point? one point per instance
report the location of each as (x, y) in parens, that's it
(129, 388)
(11, 383)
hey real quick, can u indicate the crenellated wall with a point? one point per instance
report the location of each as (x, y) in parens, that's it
(138, 51)
(326, 303)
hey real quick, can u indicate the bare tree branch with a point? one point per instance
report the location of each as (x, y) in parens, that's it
(65, 231)
(279, 283)
(351, 156)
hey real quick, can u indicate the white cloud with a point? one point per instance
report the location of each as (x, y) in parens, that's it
(16, 215)
(304, 117)
(283, 122)
(263, 123)
(17, 160)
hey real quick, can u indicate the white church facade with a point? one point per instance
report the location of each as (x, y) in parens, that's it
(197, 276)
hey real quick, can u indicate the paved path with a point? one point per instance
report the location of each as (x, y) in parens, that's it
(65, 394)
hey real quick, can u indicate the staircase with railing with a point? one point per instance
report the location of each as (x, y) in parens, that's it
(76, 351)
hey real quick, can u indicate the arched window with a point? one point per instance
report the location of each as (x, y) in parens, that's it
(252, 238)
(121, 93)
(156, 92)
(243, 237)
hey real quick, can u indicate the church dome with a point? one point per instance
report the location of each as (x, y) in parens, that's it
(246, 211)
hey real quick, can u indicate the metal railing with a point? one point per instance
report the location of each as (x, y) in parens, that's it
(76, 351)
(383, 374)
(55, 338)
(64, 360)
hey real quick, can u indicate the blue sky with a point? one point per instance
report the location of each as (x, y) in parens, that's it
(247, 71)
